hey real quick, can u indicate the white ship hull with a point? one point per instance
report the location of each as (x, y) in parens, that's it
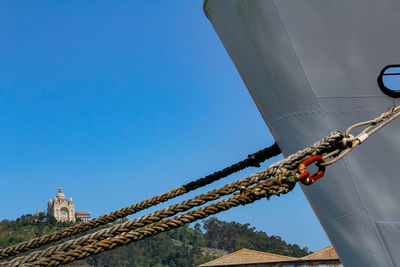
(311, 67)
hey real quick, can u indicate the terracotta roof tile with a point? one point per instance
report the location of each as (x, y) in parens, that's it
(328, 253)
(247, 256)
(82, 213)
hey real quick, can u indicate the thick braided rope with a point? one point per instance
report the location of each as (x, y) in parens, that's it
(267, 188)
(143, 220)
(323, 146)
(252, 160)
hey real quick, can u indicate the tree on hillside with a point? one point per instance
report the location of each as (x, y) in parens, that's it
(232, 236)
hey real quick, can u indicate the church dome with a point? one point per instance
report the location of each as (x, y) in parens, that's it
(60, 195)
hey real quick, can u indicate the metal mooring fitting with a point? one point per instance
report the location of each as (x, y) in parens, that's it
(304, 176)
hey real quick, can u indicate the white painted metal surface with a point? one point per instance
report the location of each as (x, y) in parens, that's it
(311, 67)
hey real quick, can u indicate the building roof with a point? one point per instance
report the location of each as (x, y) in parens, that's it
(81, 213)
(328, 253)
(247, 256)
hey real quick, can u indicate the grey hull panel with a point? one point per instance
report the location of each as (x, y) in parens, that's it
(311, 67)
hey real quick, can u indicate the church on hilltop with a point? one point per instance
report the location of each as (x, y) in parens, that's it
(61, 208)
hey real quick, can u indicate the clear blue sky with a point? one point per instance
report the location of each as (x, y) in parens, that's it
(117, 101)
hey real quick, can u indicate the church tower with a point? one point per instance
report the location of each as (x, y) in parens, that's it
(61, 209)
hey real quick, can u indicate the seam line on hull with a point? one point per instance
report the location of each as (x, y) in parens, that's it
(372, 222)
(340, 217)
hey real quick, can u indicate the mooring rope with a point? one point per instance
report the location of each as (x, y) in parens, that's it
(252, 160)
(352, 142)
(276, 180)
(275, 186)
(281, 168)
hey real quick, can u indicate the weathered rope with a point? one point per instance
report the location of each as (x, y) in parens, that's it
(275, 186)
(281, 168)
(252, 160)
(373, 126)
(391, 113)
(282, 182)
